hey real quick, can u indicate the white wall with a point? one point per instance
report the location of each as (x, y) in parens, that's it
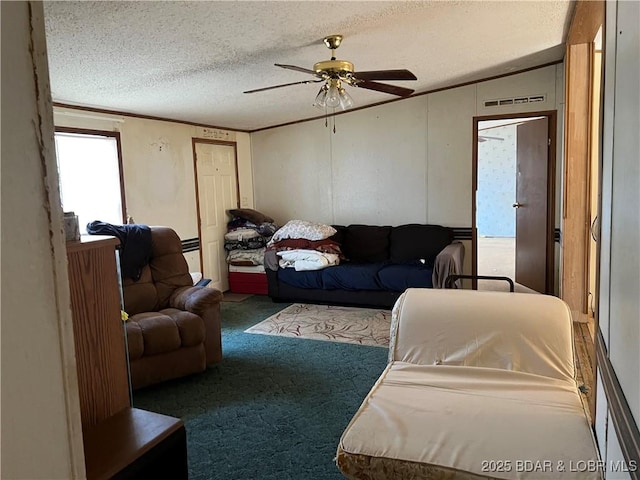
(41, 429)
(158, 168)
(402, 162)
(406, 161)
(619, 308)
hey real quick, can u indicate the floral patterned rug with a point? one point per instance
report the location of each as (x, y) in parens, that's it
(362, 326)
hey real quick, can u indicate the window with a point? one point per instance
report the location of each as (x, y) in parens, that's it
(90, 173)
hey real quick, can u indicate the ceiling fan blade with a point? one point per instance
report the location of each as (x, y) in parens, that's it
(297, 69)
(382, 87)
(385, 75)
(283, 85)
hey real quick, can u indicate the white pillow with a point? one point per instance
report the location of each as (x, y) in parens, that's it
(303, 229)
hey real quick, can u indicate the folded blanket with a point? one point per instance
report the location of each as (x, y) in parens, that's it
(246, 257)
(241, 234)
(244, 244)
(266, 229)
(304, 260)
(325, 246)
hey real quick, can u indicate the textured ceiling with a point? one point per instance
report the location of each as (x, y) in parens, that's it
(191, 61)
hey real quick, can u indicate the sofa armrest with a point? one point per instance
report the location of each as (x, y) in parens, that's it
(448, 262)
(204, 302)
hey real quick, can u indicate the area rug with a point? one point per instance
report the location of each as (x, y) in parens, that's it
(362, 326)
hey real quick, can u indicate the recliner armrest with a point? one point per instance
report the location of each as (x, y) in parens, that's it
(204, 302)
(448, 262)
(195, 299)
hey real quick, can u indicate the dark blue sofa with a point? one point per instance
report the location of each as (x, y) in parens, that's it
(382, 262)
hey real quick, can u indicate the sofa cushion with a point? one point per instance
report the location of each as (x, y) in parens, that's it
(398, 278)
(168, 266)
(190, 326)
(338, 237)
(434, 421)
(351, 277)
(366, 243)
(142, 295)
(308, 279)
(414, 242)
(518, 331)
(153, 333)
(160, 333)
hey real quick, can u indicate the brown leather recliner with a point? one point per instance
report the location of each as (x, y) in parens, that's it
(173, 328)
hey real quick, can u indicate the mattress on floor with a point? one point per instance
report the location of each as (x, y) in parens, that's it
(452, 422)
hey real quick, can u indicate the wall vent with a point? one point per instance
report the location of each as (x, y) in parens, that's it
(515, 100)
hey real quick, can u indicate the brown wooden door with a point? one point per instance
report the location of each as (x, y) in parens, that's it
(532, 163)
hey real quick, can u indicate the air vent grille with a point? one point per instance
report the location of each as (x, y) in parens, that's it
(515, 100)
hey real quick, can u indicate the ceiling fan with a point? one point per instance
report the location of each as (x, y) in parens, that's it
(335, 73)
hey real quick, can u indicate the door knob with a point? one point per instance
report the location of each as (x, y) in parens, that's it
(517, 205)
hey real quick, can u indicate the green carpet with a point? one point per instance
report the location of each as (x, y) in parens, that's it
(275, 408)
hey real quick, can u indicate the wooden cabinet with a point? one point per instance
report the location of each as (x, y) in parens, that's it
(119, 441)
(98, 331)
(135, 444)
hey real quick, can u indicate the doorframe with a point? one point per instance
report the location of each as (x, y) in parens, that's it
(587, 18)
(551, 190)
(194, 142)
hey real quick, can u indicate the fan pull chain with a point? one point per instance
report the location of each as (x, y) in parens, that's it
(334, 124)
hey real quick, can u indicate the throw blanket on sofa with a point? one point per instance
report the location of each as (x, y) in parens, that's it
(448, 264)
(305, 260)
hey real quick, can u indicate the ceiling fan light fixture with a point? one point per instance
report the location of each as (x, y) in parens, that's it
(333, 94)
(345, 99)
(321, 99)
(334, 73)
(333, 67)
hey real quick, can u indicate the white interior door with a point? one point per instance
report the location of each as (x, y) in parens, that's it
(217, 193)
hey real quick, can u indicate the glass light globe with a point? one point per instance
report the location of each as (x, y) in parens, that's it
(333, 96)
(320, 101)
(345, 99)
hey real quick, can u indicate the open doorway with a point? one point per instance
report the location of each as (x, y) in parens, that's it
(495, 217)
(514, 201)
